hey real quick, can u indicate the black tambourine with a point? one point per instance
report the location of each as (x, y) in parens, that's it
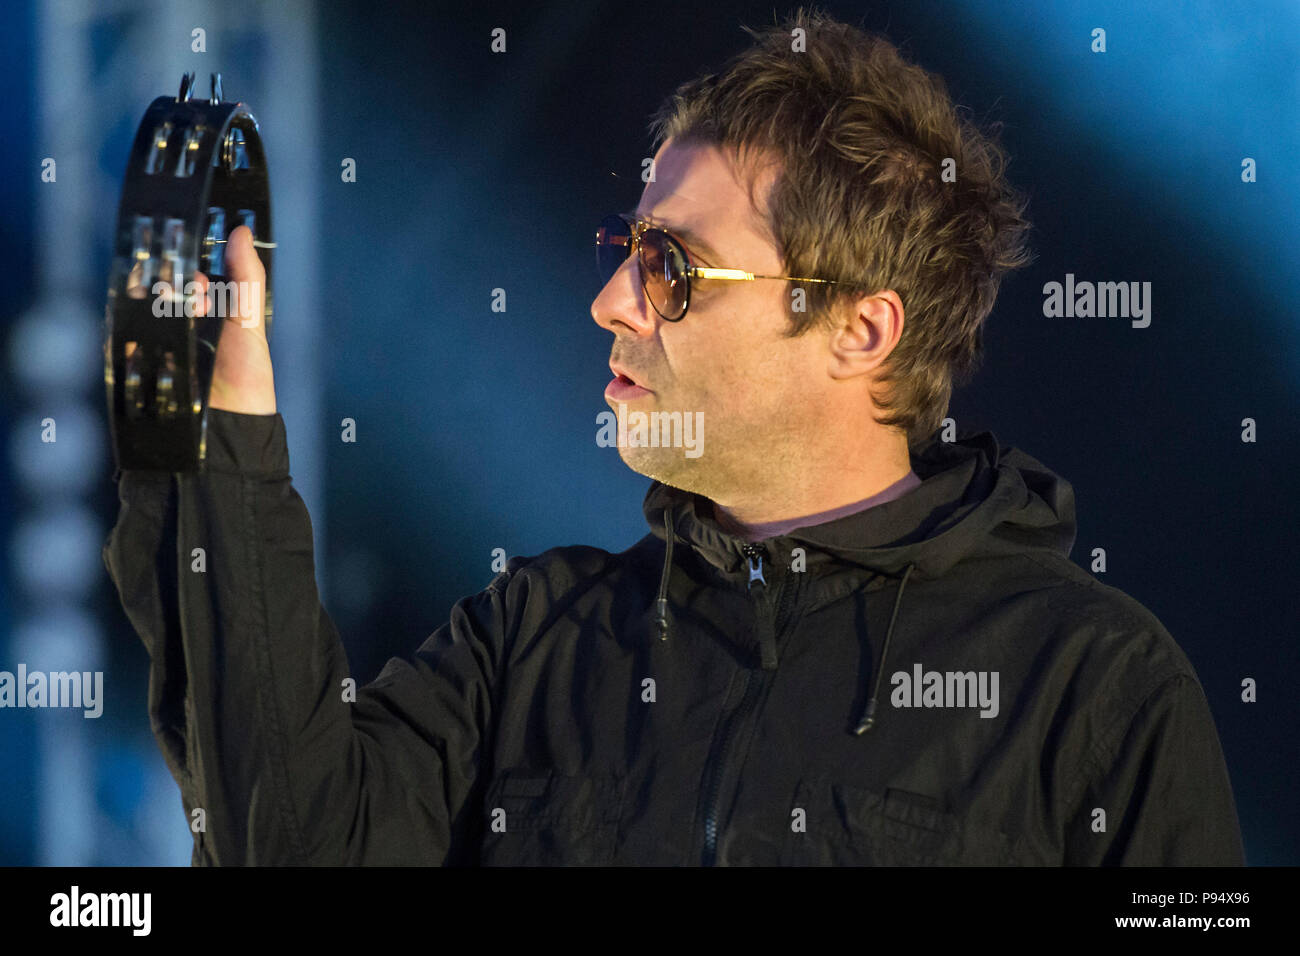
(197, 171)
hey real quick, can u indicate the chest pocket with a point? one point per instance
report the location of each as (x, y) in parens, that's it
(542, 818)
(851, 826)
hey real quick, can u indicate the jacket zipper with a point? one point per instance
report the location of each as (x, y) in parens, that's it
(753, 686)
(711, 811)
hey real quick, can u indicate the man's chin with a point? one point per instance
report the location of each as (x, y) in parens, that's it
(667, 465)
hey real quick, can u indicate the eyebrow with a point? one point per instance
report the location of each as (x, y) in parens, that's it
(694, 241)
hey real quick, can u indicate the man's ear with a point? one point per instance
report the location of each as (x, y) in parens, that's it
(867, 330)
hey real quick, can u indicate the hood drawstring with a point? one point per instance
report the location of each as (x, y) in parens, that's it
(868, 719)
(662, 616)
(663, 620)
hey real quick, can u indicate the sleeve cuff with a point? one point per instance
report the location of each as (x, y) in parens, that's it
(252, 445)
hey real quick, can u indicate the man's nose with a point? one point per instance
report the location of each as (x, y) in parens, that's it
(623, 302)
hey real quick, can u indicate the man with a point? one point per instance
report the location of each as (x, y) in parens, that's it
(715, 694)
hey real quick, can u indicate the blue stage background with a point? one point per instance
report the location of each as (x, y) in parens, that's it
(476, 428)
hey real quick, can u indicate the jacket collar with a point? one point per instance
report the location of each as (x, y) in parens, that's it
(974, 496)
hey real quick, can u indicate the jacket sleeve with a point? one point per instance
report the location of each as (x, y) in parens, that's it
(248, 687)
(1162, 781)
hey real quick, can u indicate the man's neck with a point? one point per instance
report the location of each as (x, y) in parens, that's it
(757, 526)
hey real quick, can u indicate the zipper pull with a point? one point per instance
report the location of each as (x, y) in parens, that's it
(766, 616)
(755, 556)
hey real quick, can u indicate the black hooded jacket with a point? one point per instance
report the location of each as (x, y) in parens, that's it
(929, 681)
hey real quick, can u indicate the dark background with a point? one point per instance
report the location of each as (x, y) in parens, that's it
(476, 429)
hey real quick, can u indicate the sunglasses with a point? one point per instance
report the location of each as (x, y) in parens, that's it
(665, 264)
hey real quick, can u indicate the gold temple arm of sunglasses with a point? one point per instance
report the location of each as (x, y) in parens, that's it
(704, 272)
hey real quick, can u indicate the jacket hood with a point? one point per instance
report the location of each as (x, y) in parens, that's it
(976, 498)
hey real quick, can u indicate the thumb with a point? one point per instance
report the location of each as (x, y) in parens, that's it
(245, 269)
(242, 263)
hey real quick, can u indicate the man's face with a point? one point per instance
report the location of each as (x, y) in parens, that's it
(759, 392)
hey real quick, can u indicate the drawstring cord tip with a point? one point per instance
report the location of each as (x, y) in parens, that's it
(868, 718)
(661, 617)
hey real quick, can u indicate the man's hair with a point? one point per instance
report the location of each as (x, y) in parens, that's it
(861, 136)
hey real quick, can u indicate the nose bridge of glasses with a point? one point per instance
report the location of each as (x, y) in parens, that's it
(634, 243)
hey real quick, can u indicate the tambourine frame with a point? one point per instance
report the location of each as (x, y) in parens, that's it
(197, 170)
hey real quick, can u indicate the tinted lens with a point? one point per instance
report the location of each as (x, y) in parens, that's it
(663, 274)
(613, 242)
